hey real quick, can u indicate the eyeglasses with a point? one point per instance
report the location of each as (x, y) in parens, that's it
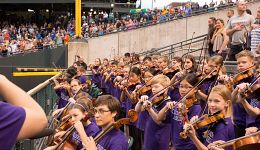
(100, 111)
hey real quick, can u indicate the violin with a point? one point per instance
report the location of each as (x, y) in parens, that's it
(131, 86)
(248, 142)
(190, 102)
(204, 121)
(158, 99)
(251, 92)
(145, 90)
(243, 75)
(64, 142)
(133, 116)
(239, 77)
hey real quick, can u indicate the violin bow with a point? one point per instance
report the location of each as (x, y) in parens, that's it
(66, 135)
(204, 57)
(188, 49)
(197, 84)
(202, 50)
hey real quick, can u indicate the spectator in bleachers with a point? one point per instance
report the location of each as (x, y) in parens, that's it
(239, 26)
(211, 29)
(219, 38)
(255, 36)
(230, 13)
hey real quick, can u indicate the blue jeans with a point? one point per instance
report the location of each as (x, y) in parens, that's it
(235, 49)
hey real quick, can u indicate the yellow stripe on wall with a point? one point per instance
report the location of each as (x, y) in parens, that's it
(24, 74)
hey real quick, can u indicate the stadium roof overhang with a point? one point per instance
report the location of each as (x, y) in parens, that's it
(36, 1)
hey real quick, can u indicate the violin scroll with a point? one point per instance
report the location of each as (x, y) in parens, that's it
(133, 115)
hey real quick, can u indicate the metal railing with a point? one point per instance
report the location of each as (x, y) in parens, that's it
(172, 49)
(46, 98)
(37, 49)
(182, 48)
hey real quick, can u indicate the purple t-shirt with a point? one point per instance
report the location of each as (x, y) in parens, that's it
(174, 93)
(113, 140)
(252, 121)
(222, 130)
(239, 114)
(177, 127)
(206, 88)
(11, 121)
(96, 78)
(129, 105)
(63, 97)
(157, 137)
(83, 79)
(91, 130)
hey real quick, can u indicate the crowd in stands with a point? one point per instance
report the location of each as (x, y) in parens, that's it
(105, 23)
(21, 36)
(15, 38)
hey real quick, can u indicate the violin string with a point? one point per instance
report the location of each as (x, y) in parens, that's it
(202, 50)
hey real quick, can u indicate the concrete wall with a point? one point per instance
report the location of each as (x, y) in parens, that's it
(156, 36)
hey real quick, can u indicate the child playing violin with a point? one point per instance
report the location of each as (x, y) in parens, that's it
(245, 63)
(106, 109)
(62, 91)
(251, 106)
(18, 115)
(96, 68)
(189, 66)
(75, 91)
(156, 134)
(81, 74)
(215, 63)
(173, 68)
(219, 101)
(179, 113)
(133, 83)
(81, 113)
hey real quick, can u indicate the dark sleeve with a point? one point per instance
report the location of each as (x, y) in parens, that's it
(11, 122)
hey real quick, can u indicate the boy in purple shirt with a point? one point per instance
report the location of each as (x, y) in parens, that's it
(245, 62)
(18, 115)
(106, 109)
(156, 133)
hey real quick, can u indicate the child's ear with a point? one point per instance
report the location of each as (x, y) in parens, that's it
(227, 103)
(114, 114)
